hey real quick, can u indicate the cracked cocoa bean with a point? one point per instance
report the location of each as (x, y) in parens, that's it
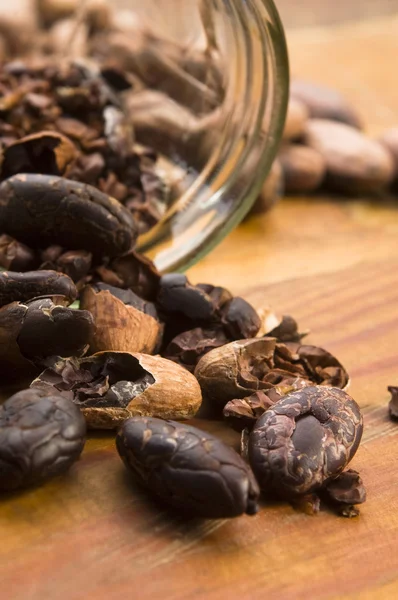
(20, 287)
(305, 439)
(188, 468)
(41, 436)
(33, 332)
(41, 210)
(240, 368)
(124, 322)
(110, 387)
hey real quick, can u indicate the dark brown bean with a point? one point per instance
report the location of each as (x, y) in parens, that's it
(41, 210)
(188, 468)
(50, 330)
(45, 152)
(240, 320)
(305, 439)
(37, 330)
(41, 436)
(20, 287)
(188, 347)
(393, 404)
(177, 295)
(137, 273)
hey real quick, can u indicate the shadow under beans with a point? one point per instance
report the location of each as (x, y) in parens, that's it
(151, 507)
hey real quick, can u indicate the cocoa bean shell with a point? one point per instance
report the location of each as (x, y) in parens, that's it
(109, 387)
(119, 327)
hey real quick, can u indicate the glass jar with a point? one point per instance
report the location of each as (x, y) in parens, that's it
(209, 95)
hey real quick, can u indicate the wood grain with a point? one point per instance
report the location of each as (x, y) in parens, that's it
(334, 265)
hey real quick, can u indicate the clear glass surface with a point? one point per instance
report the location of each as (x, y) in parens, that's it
(210, 95)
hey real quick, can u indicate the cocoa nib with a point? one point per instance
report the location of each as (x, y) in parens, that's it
(188, 347)
(45, 152)
(75, 263)
(393, 405)
(137, 273)
(243, 413)
(112, 380)
(63, 119)
(177, 295)
(188, 468)
(304, 440)
(287, 331)
(20, 287)
(239, 319)
(209, 311)
(41, 435)
(15, 256)
(347, 488)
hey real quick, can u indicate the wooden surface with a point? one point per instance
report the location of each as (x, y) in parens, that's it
(301, 13)
(333, 264)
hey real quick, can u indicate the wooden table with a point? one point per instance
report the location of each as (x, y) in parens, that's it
(333, 264)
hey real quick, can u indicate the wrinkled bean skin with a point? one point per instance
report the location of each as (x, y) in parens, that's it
(41, 436)
(303, 440)
(21, 287)
(41, 210)
(188, 468)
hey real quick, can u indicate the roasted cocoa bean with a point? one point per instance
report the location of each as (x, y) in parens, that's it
(20, 287)
(41, 210)
(305, 439)
(41, 436)
(188, 468)
(355, 164)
